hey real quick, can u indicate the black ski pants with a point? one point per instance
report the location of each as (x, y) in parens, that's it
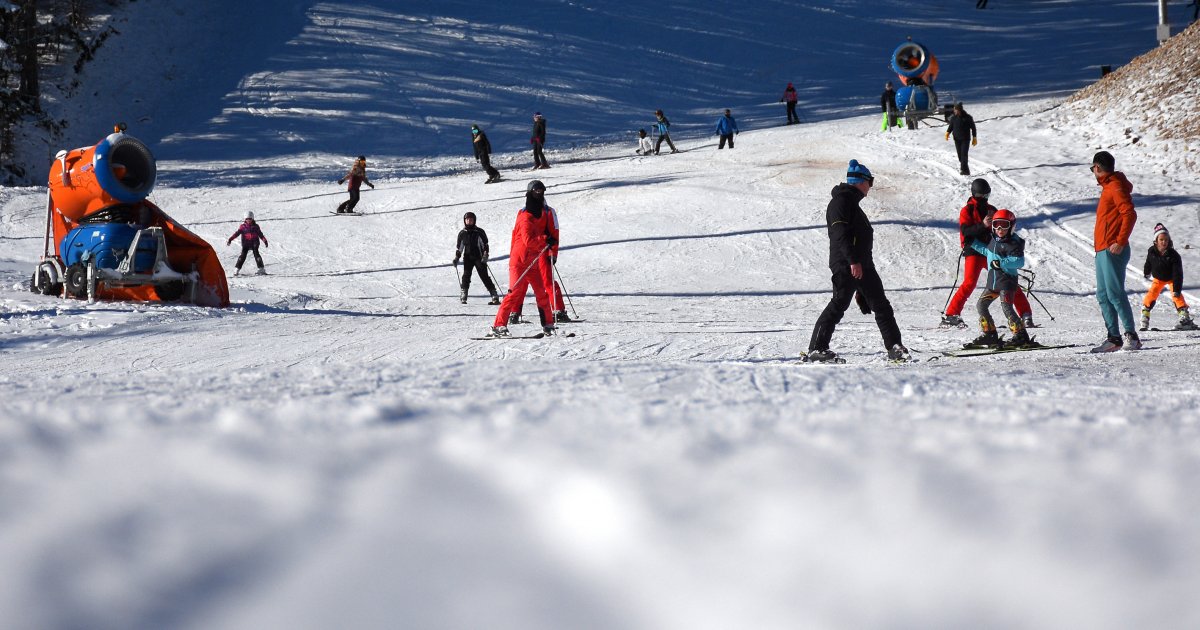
(539, 158)
(667, 137)
(348, 205)
(246, 249)
(791, 112)
(870, 289)
(486, 161)
(724, 137)
(962, 147)
(481, 267)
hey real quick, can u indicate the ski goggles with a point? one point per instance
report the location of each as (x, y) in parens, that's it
(1002, 224)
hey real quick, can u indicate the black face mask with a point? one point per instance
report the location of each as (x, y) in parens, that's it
(534, 204)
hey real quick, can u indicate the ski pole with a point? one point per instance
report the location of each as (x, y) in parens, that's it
(494, 280)
(564, 289)
(954, 285)
(1029, 276)
(531, 264)
(456, 273)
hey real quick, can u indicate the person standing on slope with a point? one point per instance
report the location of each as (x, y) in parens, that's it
(974, 226)
(851, 240)
(546, 264)
(663, 126)
(251, 234)
(962, 127)
(357, 176)
(530, 241)
(887, 101)
(1005, 254)
(483, 153)
(1115, 218)
(538, 140)
(789, 97)
(726, 127)
(472, 247)
(1164, 268)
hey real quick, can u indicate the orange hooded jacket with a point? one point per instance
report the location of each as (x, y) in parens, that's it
(1115, 215)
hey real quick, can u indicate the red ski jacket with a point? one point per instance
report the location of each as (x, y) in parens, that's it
(971, 227)
(528, 236)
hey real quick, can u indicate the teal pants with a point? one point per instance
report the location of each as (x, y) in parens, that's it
(1110, 291)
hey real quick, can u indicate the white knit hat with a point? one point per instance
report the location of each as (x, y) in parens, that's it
(1160, 229)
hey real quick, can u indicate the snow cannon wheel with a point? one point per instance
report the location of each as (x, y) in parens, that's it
(42, 281)
(76, 281)
(170, 291)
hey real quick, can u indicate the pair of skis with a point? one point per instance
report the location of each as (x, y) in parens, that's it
(516, 337)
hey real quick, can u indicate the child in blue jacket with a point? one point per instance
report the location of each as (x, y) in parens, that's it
(1005, 253)
(726, 127)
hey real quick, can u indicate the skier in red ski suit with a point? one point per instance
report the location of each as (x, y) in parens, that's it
(974, 223)
(531, 240)
(546, 268)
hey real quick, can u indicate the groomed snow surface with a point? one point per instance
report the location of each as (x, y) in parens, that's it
(333, 451)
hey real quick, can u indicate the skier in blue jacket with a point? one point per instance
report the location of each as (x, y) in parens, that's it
(726, 127)
(1005, 253)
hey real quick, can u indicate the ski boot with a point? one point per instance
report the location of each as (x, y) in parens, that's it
(462, 296)
(952, 321)
(237, 271)
(1145, 323)
(561, 317)
(1111, 344)
(1027, 320)
(549, 331)
(822, 356)
(495, 300)
(499, 331)
(1185, 321)
(899, 354)
(1131, 342)
(989, 339)
(1021, 339)
(514, 318)
(262, 271)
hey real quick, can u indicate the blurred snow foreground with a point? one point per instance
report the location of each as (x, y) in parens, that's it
(333, 451)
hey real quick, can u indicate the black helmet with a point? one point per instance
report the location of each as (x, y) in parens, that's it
(469, 215)
(535, 185)
(980, 188)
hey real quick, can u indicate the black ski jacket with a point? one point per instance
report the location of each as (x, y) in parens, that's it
(851, 236)
(962, 127)
(1167, 267)
(888, 100)
(539, 131)
(482, 146)
(472, 243)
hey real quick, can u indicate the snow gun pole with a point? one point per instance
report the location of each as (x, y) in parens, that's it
(1029, 277)
(564, 289)
(954, 286)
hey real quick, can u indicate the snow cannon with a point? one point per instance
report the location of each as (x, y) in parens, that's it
(918, 71)
(105, 240)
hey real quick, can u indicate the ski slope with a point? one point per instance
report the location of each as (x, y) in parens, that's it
(333, 451)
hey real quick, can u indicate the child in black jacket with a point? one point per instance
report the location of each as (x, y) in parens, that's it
(473, 249)
(1164, 268)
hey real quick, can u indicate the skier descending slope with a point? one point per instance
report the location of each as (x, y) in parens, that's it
(1005, 254)
(531, 240)
(850, 243)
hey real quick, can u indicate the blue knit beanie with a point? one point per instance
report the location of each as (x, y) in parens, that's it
(857, 173)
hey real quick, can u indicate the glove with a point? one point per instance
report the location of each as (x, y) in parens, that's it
(974, 141)
(551, 241)
(554, 260)
(341, 181)
(230, 242)
(947, 135)
(485, 257)
(1147, 278)
(455, 261)
(995, 264)
(371, 185)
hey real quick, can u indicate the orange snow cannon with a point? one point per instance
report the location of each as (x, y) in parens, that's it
(105, 240)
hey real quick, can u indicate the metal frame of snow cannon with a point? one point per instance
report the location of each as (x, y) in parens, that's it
(913, 63)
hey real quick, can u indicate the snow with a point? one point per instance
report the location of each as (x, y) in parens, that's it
(332, 451)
